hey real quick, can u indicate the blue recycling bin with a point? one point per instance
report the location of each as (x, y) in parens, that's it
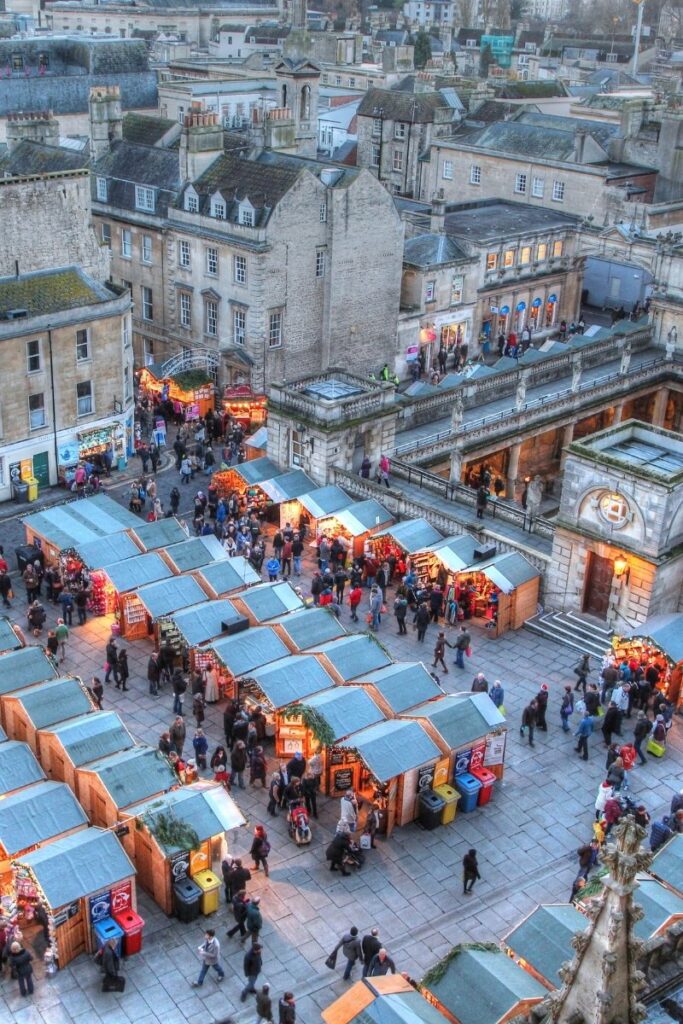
(468, 787)
(107, 929)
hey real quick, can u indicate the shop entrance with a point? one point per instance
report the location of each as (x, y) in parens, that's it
(41, 468)
(598, 585)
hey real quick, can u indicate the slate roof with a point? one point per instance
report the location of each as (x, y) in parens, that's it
(432, 251)
(469, 33)
(24, 667)
(243, 652)
(667, 863)
(354, 656)
(146, 130)
(130, 776)
(481, 985)
(159, 534)
(127, 165)
(530, 90)
(495, 219)
(404, 685)
(37, 814)
(92, 519)
(28, 158)
(18, 766)
(265, 34)
(196, 552)
(92, 736)
(269, 600)
(54, 701)
(96, 553)
(514, 138)
(205, 807)
(417, 108)
(601, 131)
(137, 571)
(324, 500)
(346, 709)
(492, 111)
(166, 596)
(460, 719)
(263, 185)
(52, 291)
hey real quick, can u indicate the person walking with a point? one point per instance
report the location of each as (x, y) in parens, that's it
(383, 472)
(439, 651)
(62, 634)
(400, 612)
(5, 588)
(370, 946)
(124, 671)
(260, 849)
(566, 708)
(497, 694)
(309, 789)
(80, 599)
(381, 964)
(422, 620)
(264, 1006)
(351, 949)
(253, 965)
(253, 920)
(153, 674)
(111, 962)
(610, 722)
(582, 733)
(470, 871)
(375, 608)
(177, 734)
(581, 671)
(210, 955)
(20, 963)
(287, 1009)
(541, 707)
(641, 731)
(112, 656)
(462, 644)
(529, 721)
(239, 912)
(238, 763)
(179, 687)
(355, 597)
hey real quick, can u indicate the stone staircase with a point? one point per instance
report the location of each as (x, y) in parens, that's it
(583, 634)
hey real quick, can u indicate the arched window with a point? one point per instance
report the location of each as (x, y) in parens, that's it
(284, 94)
(305, 109)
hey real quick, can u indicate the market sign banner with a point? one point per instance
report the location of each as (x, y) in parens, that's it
(495, 749)
(462, 762)
(100, 907)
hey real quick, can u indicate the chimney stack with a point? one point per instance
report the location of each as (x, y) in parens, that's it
(39, 127)
(106, 119)
(201, 142)
(437, 220)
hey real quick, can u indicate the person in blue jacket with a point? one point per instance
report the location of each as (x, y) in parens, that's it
(584, 730)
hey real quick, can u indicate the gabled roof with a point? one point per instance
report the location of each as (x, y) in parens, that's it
(9, 641)
(242, 653)
(225, 577)
(204, 806)
(543, 939)
(391, 748)
(461, 718)
(346, 709)
(363, 516)
(141, 165)
(392, 105)
(264, 185)
(38, 814)
(96, 553)
(412, 534)
(602, 131)
(92, 736)
(324, 500)
(258, 470)
(432, 250)
(310, 626)
(18, 766)
(288, 486)
(24, 667)
(171, 595)
(291, 679)
(205, 621)
(54, 701)
(354, 656)
(137, 571)
(64, 526)
(196, 552)
(146, 130)
(269, 600)
(666, 631)
(404, 685)
(515, 138)
(159, 534)
(130, 776)
(481, 986)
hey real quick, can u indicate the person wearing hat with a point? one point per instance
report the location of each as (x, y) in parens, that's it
(541, 707)
(297, 766)
(264, 1005)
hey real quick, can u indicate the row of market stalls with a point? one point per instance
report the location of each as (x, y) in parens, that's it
(658, 641)
(192, 394)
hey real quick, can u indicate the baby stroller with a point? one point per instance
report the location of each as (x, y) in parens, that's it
(297, 821)
(354, 857)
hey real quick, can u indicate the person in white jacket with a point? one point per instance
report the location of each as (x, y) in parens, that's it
(605, 791)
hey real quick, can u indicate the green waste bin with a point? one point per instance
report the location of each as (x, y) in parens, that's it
(450, 797)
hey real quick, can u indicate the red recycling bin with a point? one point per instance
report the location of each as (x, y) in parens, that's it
(131, 924)
(487, 778)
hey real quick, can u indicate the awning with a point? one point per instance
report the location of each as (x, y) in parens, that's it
(665, 631)
(134, 775)
(346, 709)
(18, 766)
(387, 999)
(544, 938)
(133, 573)
(270, 600)
(63, 526)
(291, 679)
(507, 571)
(323, 501)
(38, 814)
(354, 656)
(480, 986)
(460, 719)
(392, 748)
(412, 534)
(259, 439)
(363, 516)
(205, 621)
(258, 470)
(288, 486)
(160, 534)
(96, 553)
(246, 651)
(404, 685)
(310, 626)
(196, 552)
(55, 701)
(90, 737)
(659, 905)
(78, 866)
(454, 553)
(204, 806)
(9, 641)
(232, 574)
(171, 595)
(25, 667)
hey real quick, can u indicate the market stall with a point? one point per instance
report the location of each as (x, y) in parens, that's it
(19, 669)
(176, 837)
(80, 880)
(404, 538)
(318, 504)
(398, 687)
(542, 942)
(267, 601)
(194, 553)
(256, 446)
(440, 562)
(109, 784)
(160, 600)
(9, 640)
(285, 490)
(115, 590)
(461, 725)
(160, 534)
(61, 527)
(236, 656)
(103, 444)
(222, 578)
(351, 657)
(667, 864)
(18, 767)
(384, 764)
(246, 407)
(245, 481)
(68, 745)
(190, 393)
(356, 523)
(658, 641)
(307, 628)
(27, 711)
(381, 1000)
(93, 554)
(184, 632)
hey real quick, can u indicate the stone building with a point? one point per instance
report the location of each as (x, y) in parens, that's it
(617, 551)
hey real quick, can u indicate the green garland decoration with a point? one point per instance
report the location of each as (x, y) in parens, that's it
(436, 973)
(191, 380)
(313, 720)
(169, 831)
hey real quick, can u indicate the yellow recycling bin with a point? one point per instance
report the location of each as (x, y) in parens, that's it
(450, 798)
(32, 488)
(210, 885)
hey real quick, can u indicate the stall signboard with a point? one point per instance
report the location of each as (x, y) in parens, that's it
(200, 859)
(65, 914)
(122, 898)
(343, 779)
(462, 761)
(99, 906)
(477, 759)
(495, 749)
(425, 777)
(180, 865)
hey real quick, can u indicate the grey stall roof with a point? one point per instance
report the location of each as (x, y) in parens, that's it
(658, 903)
(24, 667)
(18, 766)
(232, 574)
(291, 679)
(64, 526)
(92, 736)
(96, 553)
(246, 651)
(171, 595)
(38, 814)
(9, 641)
(412, 534)
(202, 622)
(507, 571)
(482, 986)
(160, 534)
(391, 748)
(196, 552)
(461, 718)
(54, 701)
(259, 439)
(310, 626)
(132, 573)
(544, 938)
(206, 807)
(667, 863)
(456, 553)
(258, 470)
(288, 486)
(666, 631)
(79, 865)
(355, 655)
(323, 501)
(130, 776)
(404, 685)
(362, 516)
(346, 709)
(269, 600)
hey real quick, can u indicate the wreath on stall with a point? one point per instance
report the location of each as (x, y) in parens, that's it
(314, 722)
(436, 973)
(169, 831)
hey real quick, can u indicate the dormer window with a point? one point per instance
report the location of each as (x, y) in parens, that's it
(218, 210)
(191, 201)
(144, 199)
(246, 214)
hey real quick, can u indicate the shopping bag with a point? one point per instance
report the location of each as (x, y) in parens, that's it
(656, 749)
(502, 710)
(368, 617)
(468, 652)
(331, 961)
(365, 841)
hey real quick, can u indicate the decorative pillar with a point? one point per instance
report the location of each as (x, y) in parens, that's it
(455, 472)
(625, 357)
(617, 413)
(567, 438)
(512, 470)
(577, 365)
(457, 413)
(659, 411)
(520, 396)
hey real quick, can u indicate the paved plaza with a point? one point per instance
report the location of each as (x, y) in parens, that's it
(410, 887)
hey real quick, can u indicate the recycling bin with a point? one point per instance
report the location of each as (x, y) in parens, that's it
(131, 924)
(107, 929)
(468, 787)
(450, 797)
(487, 779)
(32, 488)
(20, 493)
(28, 553)
(121, 464)
(430, 809)
(210, 886)
(187, 897)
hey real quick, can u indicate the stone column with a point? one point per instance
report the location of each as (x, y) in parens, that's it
(577, 365)
(520, 396)
(625, 357)
(659, 411)
(457, 413)
(567, 438)
(513, 469)
(455, 473)
(617, 413)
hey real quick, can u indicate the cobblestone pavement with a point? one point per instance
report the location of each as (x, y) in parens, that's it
(409, 887)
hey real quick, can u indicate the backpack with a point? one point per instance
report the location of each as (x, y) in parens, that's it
(265, 847)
